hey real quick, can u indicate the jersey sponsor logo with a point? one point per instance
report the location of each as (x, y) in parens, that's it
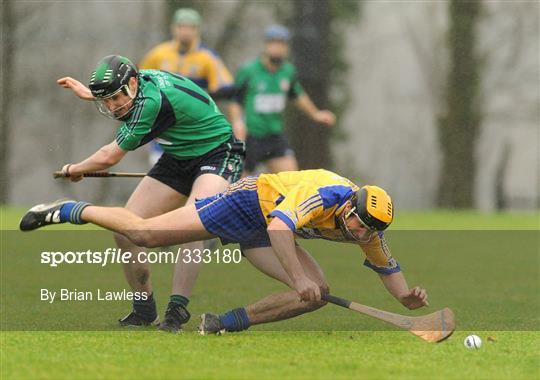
(284, 84)
(207, 167)
(163, 82)
(162, 79)
(269, 103)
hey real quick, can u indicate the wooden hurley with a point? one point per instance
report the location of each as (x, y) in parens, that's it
(433, 327)
(61, 174)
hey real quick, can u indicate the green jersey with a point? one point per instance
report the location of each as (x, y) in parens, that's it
(263, 95)
(181, 117)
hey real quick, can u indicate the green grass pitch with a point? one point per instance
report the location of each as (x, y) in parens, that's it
(485, 267)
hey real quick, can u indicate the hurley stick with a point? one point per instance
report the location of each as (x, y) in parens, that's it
(61, 174)
(433, 327)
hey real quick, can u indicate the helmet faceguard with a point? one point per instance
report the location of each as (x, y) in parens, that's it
(342, 222)
(112, 76)
(101, 104)
(373, 208)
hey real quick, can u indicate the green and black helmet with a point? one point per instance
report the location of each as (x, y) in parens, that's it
(111, 76)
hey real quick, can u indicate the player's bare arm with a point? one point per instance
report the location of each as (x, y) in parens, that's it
(306, 105)
(77, 87)
(107, 156)
(397, 286)
(282, 240)
(237, 121)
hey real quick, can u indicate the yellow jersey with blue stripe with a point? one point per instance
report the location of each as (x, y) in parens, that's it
(199, 63)
(309, 202)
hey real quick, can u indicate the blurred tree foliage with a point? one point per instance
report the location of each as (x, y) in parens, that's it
(7, 31)
(460, 124)
(318, 49)
(310, 45)
(318, 45)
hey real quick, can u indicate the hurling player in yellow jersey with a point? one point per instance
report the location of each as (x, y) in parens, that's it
(186, 55)
(265, 214)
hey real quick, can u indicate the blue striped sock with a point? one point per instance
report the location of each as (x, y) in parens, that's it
(235, 320)
(71, 212)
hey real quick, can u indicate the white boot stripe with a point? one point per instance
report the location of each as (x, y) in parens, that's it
(56, 217)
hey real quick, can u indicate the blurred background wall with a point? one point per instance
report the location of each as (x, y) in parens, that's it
(391, 92)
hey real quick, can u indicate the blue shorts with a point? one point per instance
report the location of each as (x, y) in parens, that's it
(235, 215)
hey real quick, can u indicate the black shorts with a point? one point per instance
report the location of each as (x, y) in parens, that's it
(261, 149)
(226, 161)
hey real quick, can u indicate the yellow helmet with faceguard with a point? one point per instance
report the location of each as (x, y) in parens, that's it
(374, 207)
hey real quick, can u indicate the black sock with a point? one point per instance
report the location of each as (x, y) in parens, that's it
(146, 308)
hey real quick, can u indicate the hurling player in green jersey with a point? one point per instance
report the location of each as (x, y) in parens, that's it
(201, 158)
(263, 87)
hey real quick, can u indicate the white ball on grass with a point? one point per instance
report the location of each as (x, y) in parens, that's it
(473, 342)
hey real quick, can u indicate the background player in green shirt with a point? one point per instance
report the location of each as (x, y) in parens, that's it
(201, 158)
(263, 87)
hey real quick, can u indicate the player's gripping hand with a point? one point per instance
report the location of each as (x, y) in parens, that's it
(325, 117)
(71, 174)
(416, 298)
(77, 87)
(307, 289)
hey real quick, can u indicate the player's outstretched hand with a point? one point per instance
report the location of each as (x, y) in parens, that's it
(77, 87)
(416, 298)
(308, 290)
(325, 117)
